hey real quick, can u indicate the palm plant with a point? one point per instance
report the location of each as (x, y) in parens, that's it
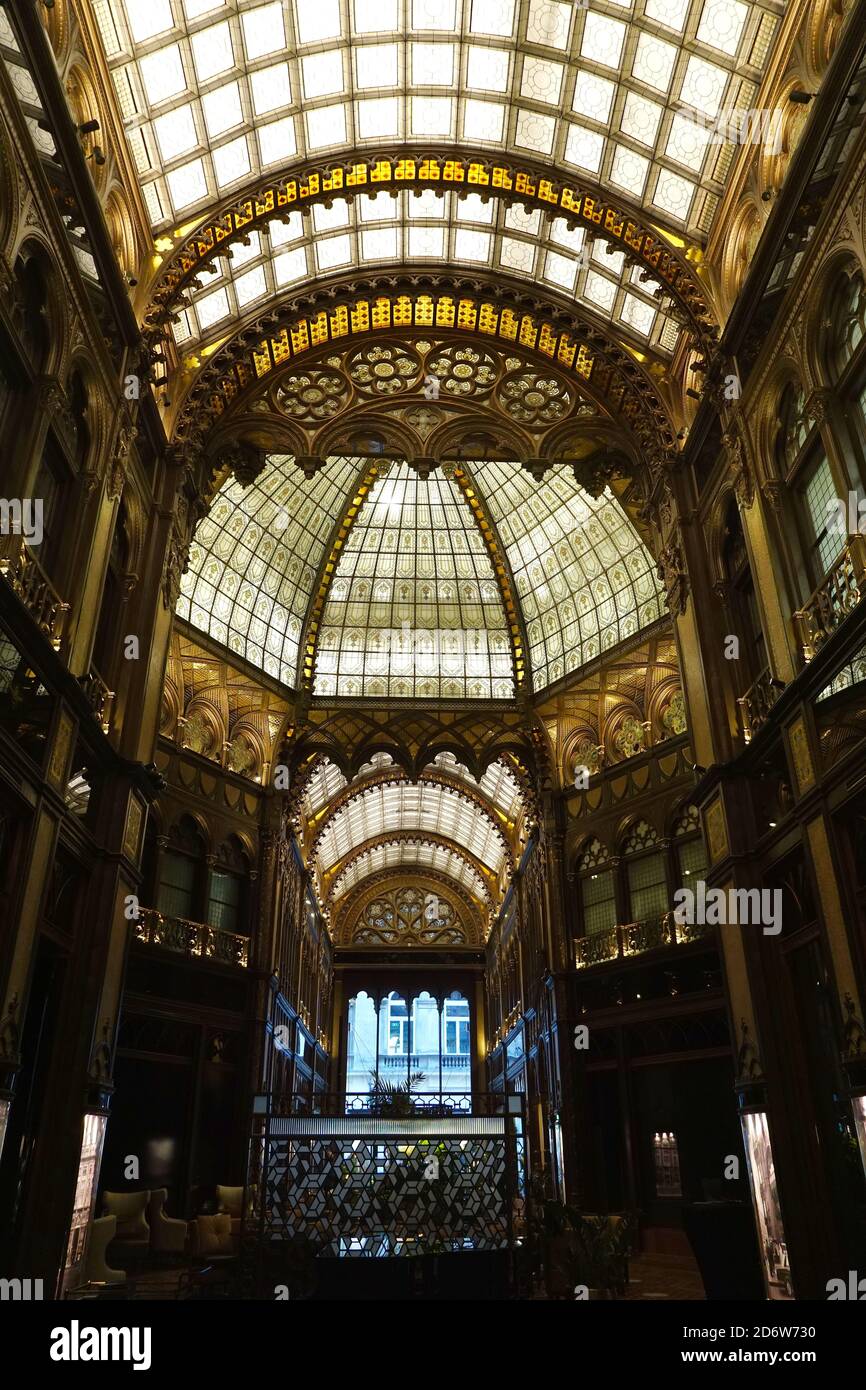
(393, 1098)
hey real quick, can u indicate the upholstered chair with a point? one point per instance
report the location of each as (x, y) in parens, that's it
(167, 1234)
(97, 1270)
(211, 1237)
(130, 1208)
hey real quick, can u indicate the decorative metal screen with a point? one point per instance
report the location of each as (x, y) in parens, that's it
(368, 1186)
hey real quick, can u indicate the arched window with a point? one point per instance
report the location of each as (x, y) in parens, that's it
(226, 907)
(742, 602)
(691, 854)
(845, 324)
(180, 871)
(596, 890)
(822, 539)
(794, 427)
(646, 879)
(31, 284)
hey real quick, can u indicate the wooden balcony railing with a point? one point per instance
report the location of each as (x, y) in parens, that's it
(191, 938)
(99, 697)
(28, 580)
(620, 943)
(757, 702)
(836, 596)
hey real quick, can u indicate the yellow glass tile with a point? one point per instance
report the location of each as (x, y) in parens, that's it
(524, 183)
(280, 348)
(430, 170)
(508, 324)
(445, 312)
(360, 317)
(467, 314)
(546, 192)
(405, 169)
(382, 313)
(592, 209)
(453, 171)
(528, 331)
(319, 329)
(300, 337)
(357, 175)
(423, 311)
(478, 174)
(381, 171)
(339, 322)
(502, 177)
(403, 311)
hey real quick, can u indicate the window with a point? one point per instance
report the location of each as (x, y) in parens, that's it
(398, 1027)
(846, 321)
(692, 859)
(597, 892)
(794, 428)
(456, 1027)
(224, 908)
(647, 887)
(48, 489)
(175, 896)
(823, 541)
(598, 900)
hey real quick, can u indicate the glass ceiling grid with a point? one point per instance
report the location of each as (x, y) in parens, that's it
(584, 578)
(414, 608)
(406, 856)
(254, 559)
(402, 806)
(216, 94)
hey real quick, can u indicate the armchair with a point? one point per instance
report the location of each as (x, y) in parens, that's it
(133, 1232)
(167, 1234)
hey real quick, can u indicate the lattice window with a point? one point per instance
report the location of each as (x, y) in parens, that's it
(647, 887)
(598, 902)
(584, 577)
(409, 917)
(688, 822)
(594, 854)
(414, 608)
(639, 837)
(794, 427)
(846, 322)
(819, 496)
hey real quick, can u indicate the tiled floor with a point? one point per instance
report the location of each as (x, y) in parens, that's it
(671, 1277)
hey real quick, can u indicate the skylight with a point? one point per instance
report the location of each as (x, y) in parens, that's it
(617, 93)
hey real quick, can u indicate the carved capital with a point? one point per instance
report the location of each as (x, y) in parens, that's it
(817, 405)
(771, 490)
(245, 461)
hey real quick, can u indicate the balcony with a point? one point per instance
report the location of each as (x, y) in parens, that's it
(757, 702)
(835, 598)
(621, 943)
(30, 583)
(191, 938)
(99, 697)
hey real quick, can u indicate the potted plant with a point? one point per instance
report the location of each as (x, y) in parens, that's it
(393, 1100)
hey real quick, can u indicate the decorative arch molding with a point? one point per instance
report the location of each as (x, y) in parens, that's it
(531, 185)
(331, 879)
(348, 734)
(485, 307)
(466, 915)
(395, 776)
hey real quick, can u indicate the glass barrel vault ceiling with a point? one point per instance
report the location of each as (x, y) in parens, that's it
(215, 93)
(414, 608)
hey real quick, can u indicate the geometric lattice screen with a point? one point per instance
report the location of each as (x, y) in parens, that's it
(357, 1186)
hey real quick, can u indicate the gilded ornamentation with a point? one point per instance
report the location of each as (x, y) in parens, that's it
(312, 396)
(673, 575)
(716, 830)
(798, 742)
(631, 738)
(408, 917)
(462, 371)
(536, 399)
(383, 369)
(674, 714)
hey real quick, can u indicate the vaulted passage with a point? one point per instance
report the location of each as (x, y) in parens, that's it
(432, 655)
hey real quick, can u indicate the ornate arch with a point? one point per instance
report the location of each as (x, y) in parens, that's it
(463, 925)
(530, 185)
(332, 877)
(308, 325)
